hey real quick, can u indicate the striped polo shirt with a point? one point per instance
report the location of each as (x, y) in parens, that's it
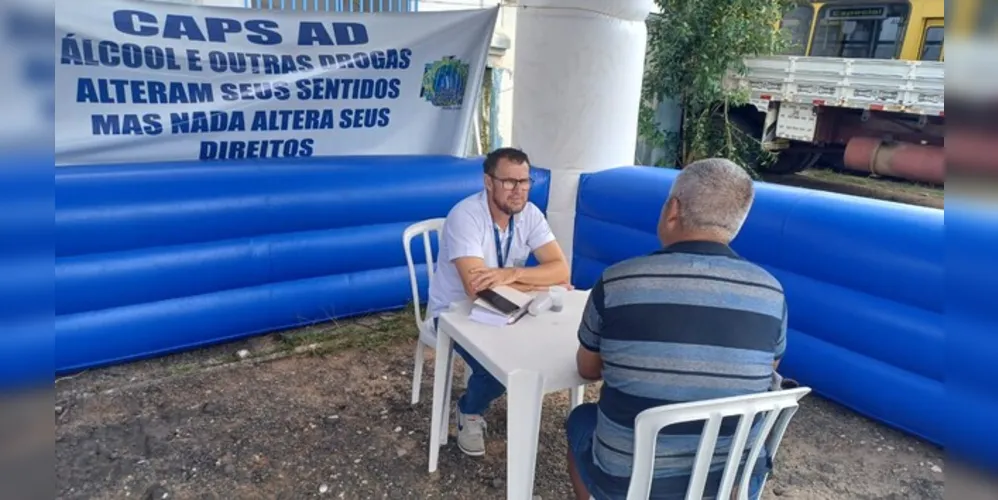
(692, 321)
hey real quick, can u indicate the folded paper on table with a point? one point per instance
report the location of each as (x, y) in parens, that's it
(485, 311)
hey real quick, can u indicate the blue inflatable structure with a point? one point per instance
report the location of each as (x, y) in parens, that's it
(864, 281)
(158, 258)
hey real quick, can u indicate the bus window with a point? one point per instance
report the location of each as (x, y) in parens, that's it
(797, 24)
(932, 47)
(860, 31)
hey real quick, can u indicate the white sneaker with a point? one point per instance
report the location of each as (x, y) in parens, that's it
(471, 434)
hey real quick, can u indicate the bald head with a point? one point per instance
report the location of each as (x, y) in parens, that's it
(709, 200)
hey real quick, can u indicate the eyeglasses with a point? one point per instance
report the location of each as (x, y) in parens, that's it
(511, 184)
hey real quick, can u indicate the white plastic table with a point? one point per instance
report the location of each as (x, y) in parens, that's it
(531, 358)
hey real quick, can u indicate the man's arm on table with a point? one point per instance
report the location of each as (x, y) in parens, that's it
(588, 359)
(464, 247)
(468, 257)
(552, 268)
(477, 276)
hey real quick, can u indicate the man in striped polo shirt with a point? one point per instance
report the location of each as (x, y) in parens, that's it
(689, 322)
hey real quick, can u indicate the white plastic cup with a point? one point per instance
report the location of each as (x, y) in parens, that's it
(540, 304)
(557, 294)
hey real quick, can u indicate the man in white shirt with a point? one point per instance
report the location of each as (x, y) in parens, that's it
(486, 241)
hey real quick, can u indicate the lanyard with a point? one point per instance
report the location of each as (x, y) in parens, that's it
(500, 256)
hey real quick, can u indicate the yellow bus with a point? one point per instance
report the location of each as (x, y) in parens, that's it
(894, 29)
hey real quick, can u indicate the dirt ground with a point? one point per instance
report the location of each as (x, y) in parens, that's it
(324, 413)
(863, 185)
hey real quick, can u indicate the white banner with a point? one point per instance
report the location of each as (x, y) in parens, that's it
(140, 81)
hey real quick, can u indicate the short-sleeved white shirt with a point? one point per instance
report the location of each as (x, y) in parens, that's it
(469, 231)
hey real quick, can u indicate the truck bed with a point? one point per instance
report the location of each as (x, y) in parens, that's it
(914, 87)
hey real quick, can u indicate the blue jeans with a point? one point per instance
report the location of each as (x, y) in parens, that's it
(482, 388)
(580, 428)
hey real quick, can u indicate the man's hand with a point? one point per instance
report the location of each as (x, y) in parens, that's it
(527, 288)
(484, 278)
(523, 287)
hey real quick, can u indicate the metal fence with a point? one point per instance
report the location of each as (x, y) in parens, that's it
(336, 5)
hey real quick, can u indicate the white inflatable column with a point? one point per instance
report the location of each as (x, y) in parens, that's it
(577, 89)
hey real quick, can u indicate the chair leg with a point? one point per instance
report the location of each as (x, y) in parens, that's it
(576, 395)
(417, 372)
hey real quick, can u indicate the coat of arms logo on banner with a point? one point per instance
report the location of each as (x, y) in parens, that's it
(444, 82)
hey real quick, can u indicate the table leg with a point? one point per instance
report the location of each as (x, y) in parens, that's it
(441, 375)
(524, 404)
(445, 416)
(577, 396)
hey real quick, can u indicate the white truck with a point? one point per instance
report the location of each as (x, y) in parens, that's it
(880, 116)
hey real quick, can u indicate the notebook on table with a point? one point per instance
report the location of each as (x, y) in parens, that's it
(500, 306)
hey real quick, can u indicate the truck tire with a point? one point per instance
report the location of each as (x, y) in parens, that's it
(791, 162)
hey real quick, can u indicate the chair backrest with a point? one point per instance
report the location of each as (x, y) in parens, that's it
(425, 229)
(777, 406)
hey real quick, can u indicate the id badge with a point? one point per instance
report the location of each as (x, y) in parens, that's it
(520, 262)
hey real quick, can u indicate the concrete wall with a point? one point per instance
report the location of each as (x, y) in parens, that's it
(507, 23)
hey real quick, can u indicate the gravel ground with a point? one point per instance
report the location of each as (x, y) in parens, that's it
(324, 413)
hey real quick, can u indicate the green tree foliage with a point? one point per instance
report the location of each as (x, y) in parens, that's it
(691, 46)
(485, 112)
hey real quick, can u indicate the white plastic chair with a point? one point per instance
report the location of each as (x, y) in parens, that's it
(427, 334)
(778, 406)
